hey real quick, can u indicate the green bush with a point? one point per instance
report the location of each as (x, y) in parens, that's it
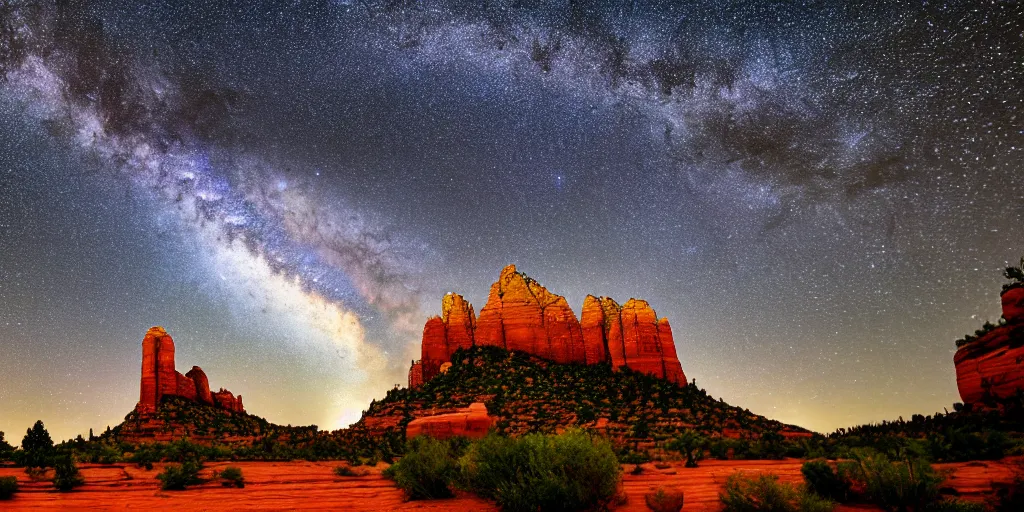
(664, 501)
(896, 485)
(428, 470)
(825, 481)
(691, 445)
(348, 471)
(231, 476)
(8, 486)
(764, 493)
(571, 471)
(177, 477)
(66, 476)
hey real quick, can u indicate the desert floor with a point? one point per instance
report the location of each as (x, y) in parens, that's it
(313, 486)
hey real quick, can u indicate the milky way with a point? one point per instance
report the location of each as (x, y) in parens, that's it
(818, 196)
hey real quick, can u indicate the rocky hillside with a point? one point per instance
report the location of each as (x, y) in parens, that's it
(990, 363)
(525, 393)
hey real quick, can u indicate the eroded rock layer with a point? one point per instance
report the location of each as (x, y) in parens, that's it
(522, 315)
(990, 368)
(472, 422)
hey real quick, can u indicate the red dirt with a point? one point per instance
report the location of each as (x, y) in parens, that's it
(313, 485)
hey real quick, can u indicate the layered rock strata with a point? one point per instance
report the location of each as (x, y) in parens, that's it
(522, 315)
(990, 368)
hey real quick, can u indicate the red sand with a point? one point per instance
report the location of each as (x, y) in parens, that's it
(313, 485)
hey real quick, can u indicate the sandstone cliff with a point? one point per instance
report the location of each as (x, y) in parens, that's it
(160, 379)
(522, 315)
(990, 368)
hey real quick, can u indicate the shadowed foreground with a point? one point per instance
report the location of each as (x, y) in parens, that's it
(313, 485)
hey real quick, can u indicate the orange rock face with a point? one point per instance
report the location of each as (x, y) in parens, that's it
(472, 422)
(1013, 304)
(991, 368)
(159, 378)
(522, 315)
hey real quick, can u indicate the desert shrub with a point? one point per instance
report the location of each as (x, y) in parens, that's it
(428, 470)
(144, 457)
(177, 477)
(896, 485)
(825, 481)
(8, 486)
(65, 474)
(691, 445)
(347, 471)
(954, 505)
(571, 471)
(764, 493)
(664, 501)
(231, 476)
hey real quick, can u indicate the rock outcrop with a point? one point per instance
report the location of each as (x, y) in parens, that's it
(522, 315)
(160, 379)
(472, 422)
(991, 368)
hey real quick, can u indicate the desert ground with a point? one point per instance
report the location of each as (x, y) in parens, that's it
(313, 486)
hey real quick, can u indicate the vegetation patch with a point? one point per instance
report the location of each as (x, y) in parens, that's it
(8, 486)
(178, 477)
(571, 471)
(764, 492)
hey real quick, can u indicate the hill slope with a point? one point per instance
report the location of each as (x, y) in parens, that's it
(529, 394)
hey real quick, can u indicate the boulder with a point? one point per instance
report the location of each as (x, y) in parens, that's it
(472, 422)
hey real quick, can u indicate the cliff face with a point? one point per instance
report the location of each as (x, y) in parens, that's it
(991, 367)
(159, 378)
(522, 315)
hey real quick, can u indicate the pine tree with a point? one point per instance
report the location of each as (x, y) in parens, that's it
(37, 446)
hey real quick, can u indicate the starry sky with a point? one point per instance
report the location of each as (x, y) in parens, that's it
(819, 196)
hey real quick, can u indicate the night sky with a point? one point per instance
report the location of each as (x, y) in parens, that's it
(820, 197)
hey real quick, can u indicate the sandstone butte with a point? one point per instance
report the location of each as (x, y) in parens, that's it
(522, 315)
(990, 368)
(160, 379)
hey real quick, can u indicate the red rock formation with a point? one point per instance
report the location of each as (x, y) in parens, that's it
(522, 315)
(226, 400)
(990, 368)
(159, 378)
(472, 422)
(592, 323)
(202, 385)
(416, 375)
(1013, 304)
